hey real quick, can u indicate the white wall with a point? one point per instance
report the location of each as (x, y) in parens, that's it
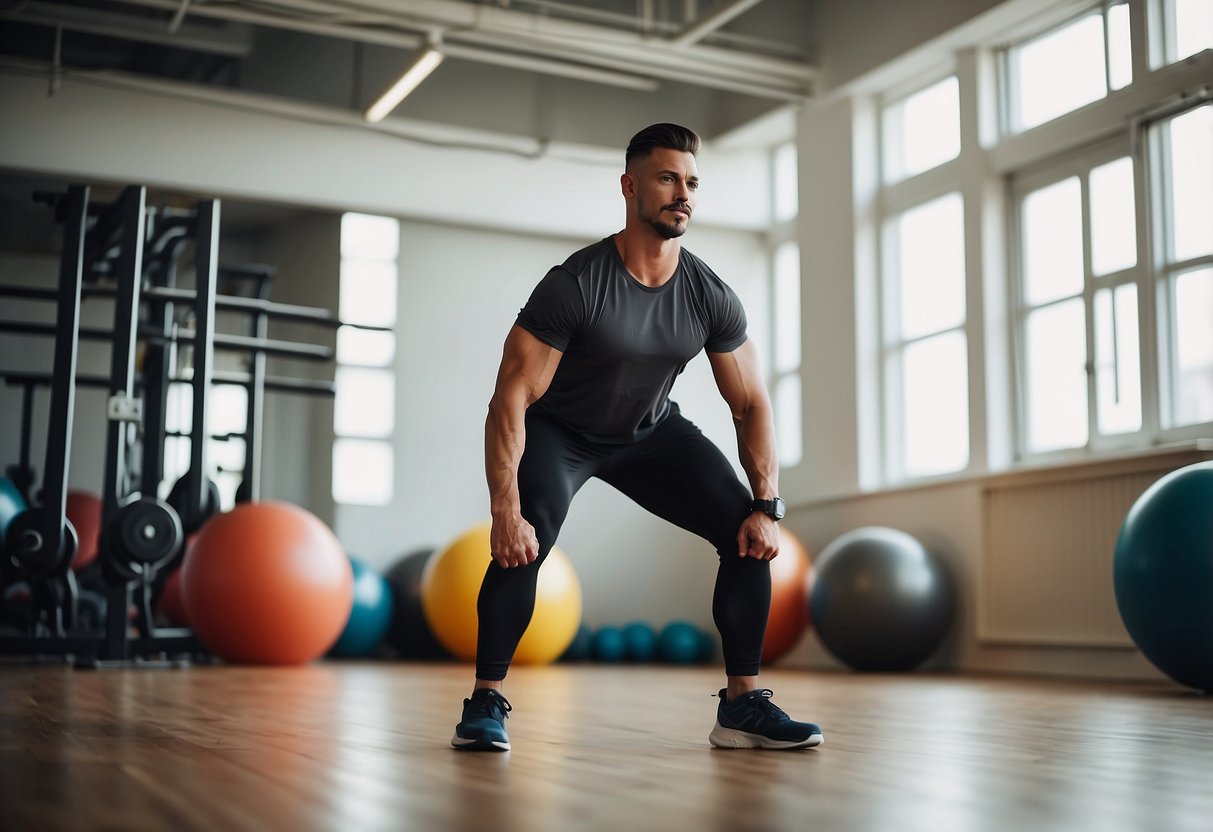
(460, 291)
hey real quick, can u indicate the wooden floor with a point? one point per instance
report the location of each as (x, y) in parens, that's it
(364, 747)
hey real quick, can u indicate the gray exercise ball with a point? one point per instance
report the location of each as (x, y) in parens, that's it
(880, 601)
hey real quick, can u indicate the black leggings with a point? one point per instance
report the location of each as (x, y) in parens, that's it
(677, 474)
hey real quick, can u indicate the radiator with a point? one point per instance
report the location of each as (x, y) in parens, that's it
(1048, 541)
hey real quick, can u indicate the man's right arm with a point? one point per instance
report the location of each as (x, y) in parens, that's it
(527, 368)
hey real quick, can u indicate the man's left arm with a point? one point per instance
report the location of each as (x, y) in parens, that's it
(739, 377)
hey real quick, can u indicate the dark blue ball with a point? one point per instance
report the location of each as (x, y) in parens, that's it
(640, 642)
(680, 643)
(1162, 573)
(579, 649)
(370, 615)
(608, 645)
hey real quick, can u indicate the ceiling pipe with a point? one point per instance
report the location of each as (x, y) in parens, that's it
(557, 42)
(234, 43)
(712, 21)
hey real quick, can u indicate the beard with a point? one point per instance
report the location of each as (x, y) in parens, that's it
(667, 230)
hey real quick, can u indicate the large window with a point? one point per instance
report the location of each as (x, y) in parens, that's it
(1187, 28)
(1058, 71)
(785, 294)
(364, 414)
(923, 355)
(1181, 165)
(1077, 303)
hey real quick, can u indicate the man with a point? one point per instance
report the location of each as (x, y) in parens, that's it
(582, 392)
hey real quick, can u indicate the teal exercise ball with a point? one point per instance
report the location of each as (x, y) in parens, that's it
(11, 504)
(640, 642)
(680, 643)
(608, 645)
(370, 616)
(581, 646)
(1163, 575)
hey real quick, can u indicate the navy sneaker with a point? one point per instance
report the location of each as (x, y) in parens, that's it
(754, 721)
(483, 725)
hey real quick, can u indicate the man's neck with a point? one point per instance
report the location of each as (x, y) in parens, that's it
(648, 257)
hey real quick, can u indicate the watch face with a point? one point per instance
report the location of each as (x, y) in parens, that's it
(780, 508)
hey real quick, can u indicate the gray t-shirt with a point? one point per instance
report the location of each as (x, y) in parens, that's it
(624, 343)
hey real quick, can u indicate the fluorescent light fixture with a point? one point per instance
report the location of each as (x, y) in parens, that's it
(417, 71)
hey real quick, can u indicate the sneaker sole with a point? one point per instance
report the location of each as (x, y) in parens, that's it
(464, 744)
(722, 737)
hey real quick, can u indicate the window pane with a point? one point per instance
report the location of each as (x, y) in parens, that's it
(362, 472)
(1056, 380)
(365, 402)
(1059, 72)
(227, 408)
(1117, 362)
(787, 308)
(1192, 182)
(923, 131)
(1194, 347)
(1193, 27)
(368, 292)
(1120, 58)
(366, 347)
(1052, 242)
(1113, 229)
(935, 391)
(930, 245)
(370, 238)
(786, 183)
(787, 419)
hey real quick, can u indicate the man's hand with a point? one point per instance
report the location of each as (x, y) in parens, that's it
(513, 541)
(758, 537)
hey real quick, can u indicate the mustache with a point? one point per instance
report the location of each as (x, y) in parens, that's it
(678, 206)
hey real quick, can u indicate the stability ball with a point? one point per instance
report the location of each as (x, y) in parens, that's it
(789, 614)
(639, 642)
(84, 511)
(680, 642)
(11, 504)
(1162, 573)
(170, 606)
(267, 583)
(370, 616)
(608, 645)
(451, 584)
(579, 649)
(880, 600)
(408, 631)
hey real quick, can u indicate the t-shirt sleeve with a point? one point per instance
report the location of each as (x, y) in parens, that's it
(728, 322)
(554, 310)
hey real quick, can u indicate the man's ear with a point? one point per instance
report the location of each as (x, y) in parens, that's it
(627, 185)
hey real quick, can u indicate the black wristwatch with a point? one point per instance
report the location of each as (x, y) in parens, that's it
(775, 509)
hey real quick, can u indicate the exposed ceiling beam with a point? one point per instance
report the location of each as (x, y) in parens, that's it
(712, 21)
(494, 29)
(232, 41)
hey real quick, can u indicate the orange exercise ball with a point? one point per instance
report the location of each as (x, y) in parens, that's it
(450, 586)
(170, 606)
(84, 512)
(791, 575)
(267, 583)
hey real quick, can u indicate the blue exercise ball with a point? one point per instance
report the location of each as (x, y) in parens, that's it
(640, 642)
(880, 600)
(680, 643)
(370, 616)
(1163, 575)
(579, 649)
(409, 633)
(608, 645)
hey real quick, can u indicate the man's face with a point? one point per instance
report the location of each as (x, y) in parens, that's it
(665, 184)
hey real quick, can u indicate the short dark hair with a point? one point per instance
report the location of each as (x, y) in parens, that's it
(671, 136)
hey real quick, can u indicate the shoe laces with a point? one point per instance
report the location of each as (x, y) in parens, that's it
(491, 705)
(763, 702)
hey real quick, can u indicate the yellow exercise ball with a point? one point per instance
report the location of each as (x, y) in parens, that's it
(450, 586)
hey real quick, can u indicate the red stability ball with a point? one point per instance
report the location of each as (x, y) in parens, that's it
(267, 583)
(84, 511)
(791, 574)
